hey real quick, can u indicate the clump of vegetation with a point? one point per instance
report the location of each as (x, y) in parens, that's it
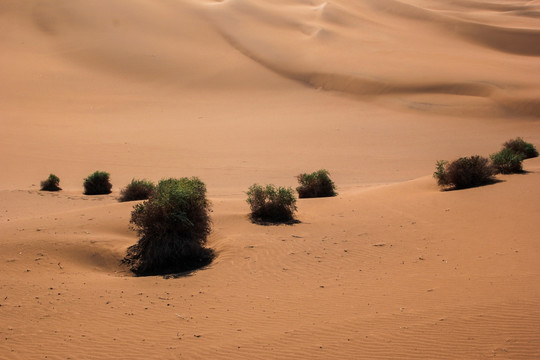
(97, 183)
(316, 184)
(520, 146)
(173, 225)
(271, 204)
(51, 183)
(507, 161)
(137, 190)
(464, 172)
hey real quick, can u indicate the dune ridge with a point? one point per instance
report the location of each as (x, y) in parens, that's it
(328, 30)
(297, 40)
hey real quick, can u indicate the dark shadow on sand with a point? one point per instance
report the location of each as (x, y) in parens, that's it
(273, 223)
(492, 182)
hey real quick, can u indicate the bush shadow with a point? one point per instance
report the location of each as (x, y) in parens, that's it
(488, 183)
(273, 222)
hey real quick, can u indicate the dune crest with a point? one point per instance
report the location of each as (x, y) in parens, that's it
(362, 48)
(276, 39)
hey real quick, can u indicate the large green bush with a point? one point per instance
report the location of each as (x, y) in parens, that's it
(507, 161)
(51, 183)
(271, 203)
(173, 225)
(520, 146)
(464, 172)
(97, 183)
(137, 190)
(316, 184)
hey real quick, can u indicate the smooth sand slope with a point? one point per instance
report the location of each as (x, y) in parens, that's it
(243, 91)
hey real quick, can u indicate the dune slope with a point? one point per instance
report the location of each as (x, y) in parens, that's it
(395, 271)
(244, 91)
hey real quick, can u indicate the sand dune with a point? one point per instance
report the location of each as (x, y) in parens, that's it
(301, 43)
(244, 91)
(402, 270)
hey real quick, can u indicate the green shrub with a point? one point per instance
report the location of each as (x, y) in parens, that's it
(51, 183)
(271, 204)
(97, 183)
(464, 172)
(440, 172)
(316, 184)
(507, 161)
(173, 225)
(137, 190)
(519, 146)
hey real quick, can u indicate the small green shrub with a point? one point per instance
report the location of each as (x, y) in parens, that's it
(51, 183)
(520, 146)
(271, 203)
(507, 161)
(173, 225)
(464, 172)
(137, 190)
(440, 172)
(316, 184)
(97, 183)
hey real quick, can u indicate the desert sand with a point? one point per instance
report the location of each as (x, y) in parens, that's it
(244, 91)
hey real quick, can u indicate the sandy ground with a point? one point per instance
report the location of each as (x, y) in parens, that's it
(244, 91)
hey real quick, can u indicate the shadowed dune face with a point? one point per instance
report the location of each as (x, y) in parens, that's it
(161, 41)
(392, 48)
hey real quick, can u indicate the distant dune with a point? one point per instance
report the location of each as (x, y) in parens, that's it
(244, 91)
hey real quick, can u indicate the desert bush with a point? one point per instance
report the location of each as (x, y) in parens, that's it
(137, 190)
(464, 172)
(507, 161)
(97, 183)
(271, 203)
(173, 225)
(316, 184)
(520, 146)
(51, 183)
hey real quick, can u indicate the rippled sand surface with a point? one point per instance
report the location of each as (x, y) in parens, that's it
(243, 91)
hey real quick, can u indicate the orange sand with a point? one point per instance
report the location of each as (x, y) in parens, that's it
(244, 91)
